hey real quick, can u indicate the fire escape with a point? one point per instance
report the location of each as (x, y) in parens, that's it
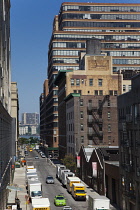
(95, 122)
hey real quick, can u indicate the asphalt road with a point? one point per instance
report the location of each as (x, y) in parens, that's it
(51, 190)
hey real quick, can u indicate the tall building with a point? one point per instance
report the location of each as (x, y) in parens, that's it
(30, 119)
(8, 106)
(87, 102)
(129, 144)
(115, 25)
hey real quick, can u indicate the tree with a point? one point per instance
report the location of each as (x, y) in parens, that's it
(69, 162)
(23, 141)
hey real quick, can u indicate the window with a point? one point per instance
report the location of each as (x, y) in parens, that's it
(77, 82)
(55, 92)
(72, 81)
(81, 114)
(90, 82)
(81, 102)
(80, 91)
(82, 127)
(109, 139)
(109, 128)
(96, 92)
(75, 91)
(115, 92)
(100, 81)
(124, 87)
(129, 87)
(82, 81)
(82, 139)
(108, 115)
(108, 103)
(111, 92)
(100, 92)
(88, 91)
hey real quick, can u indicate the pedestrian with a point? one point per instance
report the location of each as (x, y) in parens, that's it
(17, 201)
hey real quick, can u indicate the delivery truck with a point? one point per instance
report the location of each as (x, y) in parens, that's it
(98, 202)
(58, 167)
(40, 204)
(70, 181)
(27, 175)
(78, 191)
(34, 188)
(29, 170)
(61, 171)
(29, 167)
(64, 177)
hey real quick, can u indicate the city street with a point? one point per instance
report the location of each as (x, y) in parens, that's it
(51, 190)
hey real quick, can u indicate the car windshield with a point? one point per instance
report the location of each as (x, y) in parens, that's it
(60, 198)
(49, 177)
(36, 193)
(80, 191)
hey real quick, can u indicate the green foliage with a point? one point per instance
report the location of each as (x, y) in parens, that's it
(69, 162)
(31, 140)
(23, 141)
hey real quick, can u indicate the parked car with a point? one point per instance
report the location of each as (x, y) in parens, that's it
(43, 156)
(50, 180)
(59, 200)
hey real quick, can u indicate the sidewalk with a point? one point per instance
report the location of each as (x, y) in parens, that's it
(19, 180)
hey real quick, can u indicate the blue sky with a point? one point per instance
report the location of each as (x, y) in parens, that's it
(31, 29)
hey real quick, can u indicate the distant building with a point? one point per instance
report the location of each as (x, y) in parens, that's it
(23, 130)
(129, 144)
(30, 119)
(29, 124)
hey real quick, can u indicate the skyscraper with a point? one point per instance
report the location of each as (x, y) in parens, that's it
(115, 25)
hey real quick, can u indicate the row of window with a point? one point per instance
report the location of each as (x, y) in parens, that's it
(69, 44)
(98, 8)
(123, 53)
(115, 61)
(126, 61)
(109, 53)
(91, 129)
(126, 88)
(116, 69)
(70, 116)
(102, 37)
(82, 81)
(104, 45)
(100, 24)
(65, 60)
(101, 30)
(102, 16)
